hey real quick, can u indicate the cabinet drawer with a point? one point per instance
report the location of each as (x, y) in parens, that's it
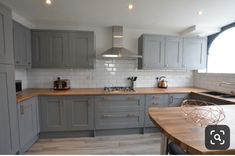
(119, 103)
(116, 120)
(156, 101)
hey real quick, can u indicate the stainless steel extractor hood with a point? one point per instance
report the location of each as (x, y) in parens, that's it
(118, 51)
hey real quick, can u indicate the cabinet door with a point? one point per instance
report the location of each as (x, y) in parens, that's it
(173, 52)
(22, 45)
(41, 57)
(6, 36)
(80, 113)
(175, 100)
(194, 53)
(52, 114)
(160, 100)
(153, 51)
(58, 48)
(81, 50)
(27, 114)
(9, 138)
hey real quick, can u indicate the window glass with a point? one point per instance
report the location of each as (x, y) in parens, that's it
(221, 58)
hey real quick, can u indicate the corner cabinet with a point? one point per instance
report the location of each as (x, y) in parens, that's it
(62, 49)
(194, 53)
(169, 52)
(6, 36)
(22, 45)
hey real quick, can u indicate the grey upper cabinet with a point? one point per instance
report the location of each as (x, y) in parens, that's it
(28, 123)
(81, 52)
(22, 45)
(62, 49)
(175, 100)
(158, 100)
(168, 52)
(151, 47)
(80, 112)
(173, 52)
(9, 138)
(6, 36)
(194, 53)
(52, 114)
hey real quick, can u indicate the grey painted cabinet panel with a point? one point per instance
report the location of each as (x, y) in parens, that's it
(6, 36)
(173, 52)
(62, 49)
(115, 112)
(158, 100)
(9, 137)
(80, 113)
(22, 45)
(28, 123)
(151, 47)
(194, 53)
(81, 52)
(52, 114)
(176, 100)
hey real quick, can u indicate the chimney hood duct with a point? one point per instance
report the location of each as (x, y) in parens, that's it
(118, 51)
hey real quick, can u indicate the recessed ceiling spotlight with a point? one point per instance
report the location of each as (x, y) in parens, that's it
(130, 6)
(199, 13)
(48, 2)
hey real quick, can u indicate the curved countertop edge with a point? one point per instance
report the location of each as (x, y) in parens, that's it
(30, 93)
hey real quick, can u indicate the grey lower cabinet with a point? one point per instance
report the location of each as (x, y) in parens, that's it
(22, 45)
(28, 123)
(194, 53)
(9, 137)
(169, 52)
(62, 49)
(6, 36)
(59, 114)
(80, 113)
(118, 112)
(157, 100)
(175, 100)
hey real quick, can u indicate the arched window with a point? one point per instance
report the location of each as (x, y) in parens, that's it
(221, 58)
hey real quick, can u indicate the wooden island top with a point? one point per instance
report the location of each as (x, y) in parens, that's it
(187, 135)
(29, 93)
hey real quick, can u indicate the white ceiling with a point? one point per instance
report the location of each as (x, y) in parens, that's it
(170, 15)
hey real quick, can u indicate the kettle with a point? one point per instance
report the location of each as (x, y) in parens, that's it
(161, 82)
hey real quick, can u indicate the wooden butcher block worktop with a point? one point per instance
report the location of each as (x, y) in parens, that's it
(29, 93)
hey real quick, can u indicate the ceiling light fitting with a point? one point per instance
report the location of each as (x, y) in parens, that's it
(130, 6)
(48, 2)
(199, 13)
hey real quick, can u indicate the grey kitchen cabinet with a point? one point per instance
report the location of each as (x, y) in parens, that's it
(52, 114)
(80, 112)
(9, 137)
(117, 112)
(81, 52)
(22, 45)
(62, 49)
(6, 36)
(175, 100)
(173, 52)
(194, 53)
(151, 47)
(28, 123)
(158, 100)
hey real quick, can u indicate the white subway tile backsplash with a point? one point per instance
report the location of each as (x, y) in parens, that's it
(106, 73)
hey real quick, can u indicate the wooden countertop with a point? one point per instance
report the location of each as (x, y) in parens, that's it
(187, 135)
(29, 93)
